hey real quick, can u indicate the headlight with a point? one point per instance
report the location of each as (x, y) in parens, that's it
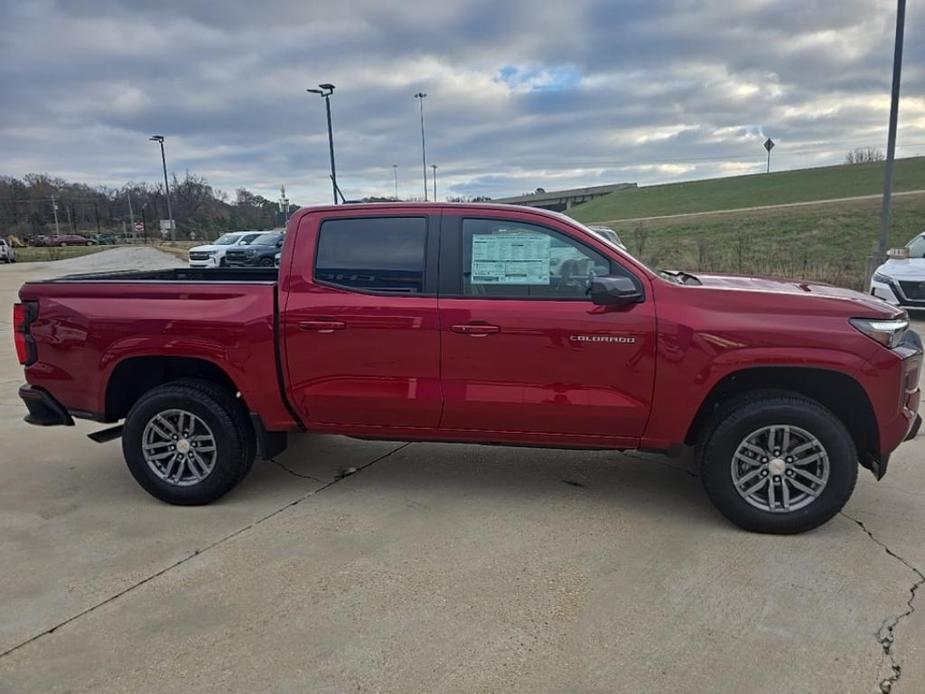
(881, 278)
(888, 333)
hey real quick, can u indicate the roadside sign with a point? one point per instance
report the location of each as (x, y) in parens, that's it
(769, 145)
(139, 228)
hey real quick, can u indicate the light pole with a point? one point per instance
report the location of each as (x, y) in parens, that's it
(434, 167)
(395, 176)
(886, 210)
(325, 91)
(420, 96)
(173, 231)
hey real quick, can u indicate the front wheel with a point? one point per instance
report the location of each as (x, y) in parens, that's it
(778, 463)
(188, 442)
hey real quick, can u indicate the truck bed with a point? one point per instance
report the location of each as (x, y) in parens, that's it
(261, 275)
(95, 330)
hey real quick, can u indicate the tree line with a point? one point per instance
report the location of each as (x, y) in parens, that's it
(28, 207)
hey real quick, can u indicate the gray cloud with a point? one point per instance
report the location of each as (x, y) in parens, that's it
(521, 94)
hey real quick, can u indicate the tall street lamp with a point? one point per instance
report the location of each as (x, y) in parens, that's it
(173, 231)
(395, 176)
(434, 167)
(420, 96)
(325, 91)
(886, 209)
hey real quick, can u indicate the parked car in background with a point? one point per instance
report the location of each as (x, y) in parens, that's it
(7, 253)
(39, 241)
(608, 234)
(901, 279)
(105, 239)
(68, 240)
(213, 254)
(258, 253)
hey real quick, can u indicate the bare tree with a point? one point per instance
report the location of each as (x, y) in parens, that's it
(864, 155)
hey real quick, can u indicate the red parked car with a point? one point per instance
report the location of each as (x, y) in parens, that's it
(485, 324)
(68, 240)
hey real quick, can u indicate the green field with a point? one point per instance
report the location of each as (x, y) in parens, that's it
(42, 254)
(825, 242)
(749, 191)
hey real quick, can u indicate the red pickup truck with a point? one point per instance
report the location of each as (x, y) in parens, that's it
(484, 324)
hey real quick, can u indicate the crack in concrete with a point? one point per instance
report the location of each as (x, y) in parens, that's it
(886, 634)
(294, 473)
(196, 553)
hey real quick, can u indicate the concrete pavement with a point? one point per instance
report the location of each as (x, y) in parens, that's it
(438, 568)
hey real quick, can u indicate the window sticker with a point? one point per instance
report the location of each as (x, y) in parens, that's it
(510, 258)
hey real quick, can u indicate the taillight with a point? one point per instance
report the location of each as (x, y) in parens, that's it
(23, 314)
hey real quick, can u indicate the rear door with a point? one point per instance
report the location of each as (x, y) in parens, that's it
(360, 324)
(524, 349)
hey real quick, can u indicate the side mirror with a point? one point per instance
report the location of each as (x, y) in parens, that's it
(614, 291)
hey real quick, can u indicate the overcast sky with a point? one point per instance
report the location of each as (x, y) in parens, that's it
(521, 93)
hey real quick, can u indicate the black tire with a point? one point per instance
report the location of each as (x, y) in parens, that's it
(743, 416)
(224, 415)
(265, 262)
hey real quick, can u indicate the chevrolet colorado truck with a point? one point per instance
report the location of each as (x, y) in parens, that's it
(482, 324)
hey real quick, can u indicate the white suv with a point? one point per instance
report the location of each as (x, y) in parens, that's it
(7, 254)
(213, 255)
(901, 279)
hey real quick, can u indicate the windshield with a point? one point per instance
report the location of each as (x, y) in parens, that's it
(269, 239)
(226, 239)
(917, 247)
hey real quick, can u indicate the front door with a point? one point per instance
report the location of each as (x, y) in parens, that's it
(524, 348)
(361, 328)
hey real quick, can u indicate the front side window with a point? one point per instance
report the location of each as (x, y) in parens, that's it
(227, 239)
(383, 254)
(508, 259)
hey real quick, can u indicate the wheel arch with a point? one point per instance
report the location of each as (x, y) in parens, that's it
(835, 390)
(134, 376)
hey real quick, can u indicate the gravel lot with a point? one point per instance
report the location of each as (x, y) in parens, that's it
(435, 568)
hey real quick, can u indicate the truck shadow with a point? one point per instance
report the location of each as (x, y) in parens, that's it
(431, 475)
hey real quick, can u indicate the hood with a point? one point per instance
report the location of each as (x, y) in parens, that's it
(207, 247)
(860, 302)
(912, 269)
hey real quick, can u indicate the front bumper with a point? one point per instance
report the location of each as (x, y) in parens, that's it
(44, 410)
(201, 264)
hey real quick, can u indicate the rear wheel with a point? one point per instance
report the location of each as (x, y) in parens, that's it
(188, 442)
(266, 262)
(778, 463)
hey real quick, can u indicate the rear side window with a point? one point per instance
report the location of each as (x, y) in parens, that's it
(378, 254)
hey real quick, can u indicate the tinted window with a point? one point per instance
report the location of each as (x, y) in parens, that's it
(269, 239)
(383, 255)
(515, 260)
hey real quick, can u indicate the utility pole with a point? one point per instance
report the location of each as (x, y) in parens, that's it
(420, 96)
(395, 175)
(886, 210)
(131, 213)
(434, 167)
(54, 211)
(325, 91)
(173, 227)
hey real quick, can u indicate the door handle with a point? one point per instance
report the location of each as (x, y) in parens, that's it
(475, 329)
(321, 326)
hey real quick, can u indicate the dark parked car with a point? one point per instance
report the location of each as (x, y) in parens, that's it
(258, 253)
(68, 240)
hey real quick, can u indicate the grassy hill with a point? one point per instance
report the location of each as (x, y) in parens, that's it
(749, 191)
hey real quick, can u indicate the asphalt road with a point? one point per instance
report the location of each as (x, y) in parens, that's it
(438, 568)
